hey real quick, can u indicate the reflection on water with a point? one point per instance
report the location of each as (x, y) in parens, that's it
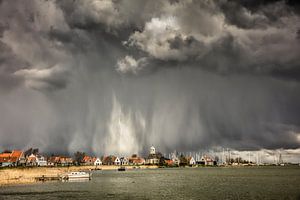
(77, 180)
(198, 183)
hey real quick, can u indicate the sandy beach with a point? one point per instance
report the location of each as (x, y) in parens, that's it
(14, 176)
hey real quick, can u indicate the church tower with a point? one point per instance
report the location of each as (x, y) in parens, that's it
(152, 150)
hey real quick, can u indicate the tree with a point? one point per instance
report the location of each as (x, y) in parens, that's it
(161, 161)
(238, 160)
(217, 159)
(78, 157)
(183, 160)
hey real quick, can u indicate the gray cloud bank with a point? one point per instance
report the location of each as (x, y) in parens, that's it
(118, 76)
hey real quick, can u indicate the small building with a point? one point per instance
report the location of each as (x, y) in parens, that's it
(111, 160)
(53, 161)
(87, 160)
(175, 159)
(60, 161)
(124, 161)
(117, 161)
(36, 160)
(191, 160)
(169, 162)
(41, 161)
(97, 161)
(65, 160)
(5, 160)
(207, 161)
(31, 160)
(108, 160)
(13, 158)
(136, 160)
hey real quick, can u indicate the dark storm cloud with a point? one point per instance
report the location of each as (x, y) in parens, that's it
(8, 64)
(241, 41)
(117, 76)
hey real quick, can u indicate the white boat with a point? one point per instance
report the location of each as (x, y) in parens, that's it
(77, 175)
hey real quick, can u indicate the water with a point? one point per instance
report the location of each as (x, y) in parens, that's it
(197, 183)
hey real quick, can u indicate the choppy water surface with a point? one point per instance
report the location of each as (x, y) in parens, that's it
(197, 183)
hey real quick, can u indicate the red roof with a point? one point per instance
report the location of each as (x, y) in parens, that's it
(60, 159)
(86, 159)
(4, 155)
(16, 153)
(11, 157)
(169, 162)
(136, 160)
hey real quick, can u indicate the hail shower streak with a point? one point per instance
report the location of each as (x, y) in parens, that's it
(121, 139)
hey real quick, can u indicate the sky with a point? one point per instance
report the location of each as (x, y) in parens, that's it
(116, 76)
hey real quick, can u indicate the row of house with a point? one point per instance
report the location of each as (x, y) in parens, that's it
(175, 160)
(31, 157)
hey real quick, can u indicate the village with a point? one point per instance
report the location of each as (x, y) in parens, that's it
(30, 166)
(32, 158)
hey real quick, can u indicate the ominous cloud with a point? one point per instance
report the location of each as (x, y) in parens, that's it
(117, 76)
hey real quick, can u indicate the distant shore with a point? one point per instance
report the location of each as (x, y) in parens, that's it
(26, 175)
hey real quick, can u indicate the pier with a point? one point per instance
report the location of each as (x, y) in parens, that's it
(44, 178)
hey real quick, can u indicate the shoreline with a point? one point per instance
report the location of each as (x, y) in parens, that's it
(27, 175)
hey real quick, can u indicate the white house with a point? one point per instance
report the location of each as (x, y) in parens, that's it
(117, 161)
(36, 160)
(97, 162)
(124, 161)
(192, 161)
(31, 160)
(175, 159)
(207, 160)
(41, 161)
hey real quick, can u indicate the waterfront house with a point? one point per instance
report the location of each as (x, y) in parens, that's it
(136, 160)
(175, 159)
(36, 160)
(107, 160)
(5, 160)
(41, 160)
(60, 161)
(117, 161)
(31, 160)
(124, 161)
(111, 160)
(53, 161)
(65, 160)
(169, 162)
(97, 161)
(87, 160)
(207, 161)
(191, 160)
(13, 158)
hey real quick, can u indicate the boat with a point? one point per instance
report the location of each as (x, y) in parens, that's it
(121, 169)
(77, 176)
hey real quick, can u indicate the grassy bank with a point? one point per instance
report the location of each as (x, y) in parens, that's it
(13, 176)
